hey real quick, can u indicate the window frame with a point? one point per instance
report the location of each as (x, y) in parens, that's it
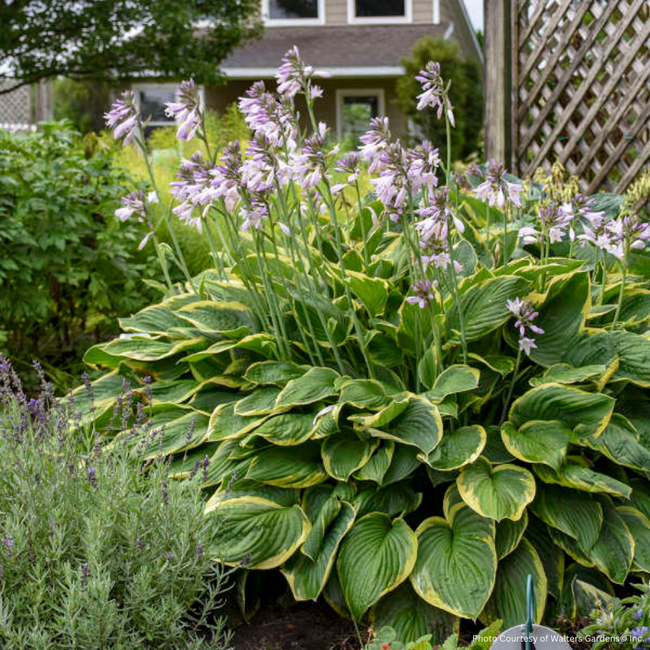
(292, 22)
(145, 86)
(353, 19)
(341, 93)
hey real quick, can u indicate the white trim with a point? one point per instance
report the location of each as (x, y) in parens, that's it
(143, 86)
(292, 22)
(356, 92)
(436, 12)
(334, 71)
(380, 20)
(477, 45)
(449, 31)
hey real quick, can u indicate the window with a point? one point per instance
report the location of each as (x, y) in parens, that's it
(293, 12)
(379, 11)
(355, 108)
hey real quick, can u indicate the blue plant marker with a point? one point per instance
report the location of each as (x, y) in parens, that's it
(530, 611)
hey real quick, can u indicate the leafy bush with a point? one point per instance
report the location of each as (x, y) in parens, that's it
(67, 266)
(415, 398)
(81, 102)
(465, 93)
(97, 551)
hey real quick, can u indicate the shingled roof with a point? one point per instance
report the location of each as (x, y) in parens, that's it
(332, 47)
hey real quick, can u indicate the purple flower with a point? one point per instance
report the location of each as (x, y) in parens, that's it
(627, 232)
(135, 204)
(193, 190)
(554, 222)
(349, 165)
(186, 111)
(638, 615)
(525, 314)
(294, 76)
(8, 542)
(254, 215)
(496, 190)
(124, 118)
(92, 476)
(375, 139)
(424, 293)
(227, 177)
(640, 634)
(435, 94)
(310, 164)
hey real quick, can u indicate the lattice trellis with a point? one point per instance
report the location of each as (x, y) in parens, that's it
(581, 88)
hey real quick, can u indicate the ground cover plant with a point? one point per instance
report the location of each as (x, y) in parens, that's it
(68, 266)
(97, 551)
(407, 400)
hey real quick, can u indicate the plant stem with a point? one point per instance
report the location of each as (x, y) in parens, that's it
(620, 294)
(505, 238)
(162, 261)
(511, 388)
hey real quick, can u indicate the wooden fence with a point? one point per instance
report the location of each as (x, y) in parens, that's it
(22, 109)
(569, 80)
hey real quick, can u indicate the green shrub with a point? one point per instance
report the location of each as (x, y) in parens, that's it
(68, 267)
(81, 102)
(97, 551)
(466, 94)
(413, 399)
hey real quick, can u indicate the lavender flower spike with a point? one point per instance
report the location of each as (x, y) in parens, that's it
(186, 111)
(423, 291)
(124, 118)
(525, 314)
(434, 94)
(496, 189)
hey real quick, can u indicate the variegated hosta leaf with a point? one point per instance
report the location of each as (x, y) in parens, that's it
(372, 292)
(259, 402)
(397, 499)
(586, 414)
(222, 465)
(574, 513)
(563, 373)
(286, 430)
(575, 474)
(411, 617)
(232, 319)
(498, 492)
(367, 394)
(552, 557)
(377, 466)
(458, 448)
(277, 373)
(508, 600)
(404, 462)
(376, 556)
(307, 575)
(619, 442)
(288, 467)
(344, 453)
(509, 534)
(179, 434)
(452, 380)
(634, 357)
(155, 320)
(537, 441)
(419, 425)
(225, 424)
(640, 498)
(313, 386)
(262, 532)
(457, 562)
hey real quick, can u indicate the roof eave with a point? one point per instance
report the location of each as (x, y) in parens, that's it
(334, 72)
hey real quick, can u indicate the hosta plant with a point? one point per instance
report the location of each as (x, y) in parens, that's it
(406, 401)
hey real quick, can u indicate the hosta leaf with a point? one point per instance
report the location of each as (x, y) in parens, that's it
(376, 556)
(232, 319)
(586, 414)
(613, 552)
(307, 576)
(411, 617)
(619, 443)
(397, 499)
(561, 316)
(372, 292)
(419, 425)
(288, 429)
(259, 402)
(367, 394)
(264, 532)
(288, 467)
(326, 422)
(176, 391)
(508, 600)
(192, 460)
(551, 555)
(278, 373)
(452, 380)
(141, 349)
(537, 441)
(222, 465)
(634, 357)
(314, 385)
(456, 562)
(575, 475)
(563, 373)
(378, 464)
(484, 306)
(226, 424)
(639, 526)
(640, 498)
(509, 534)
(497, 492)
(182, 433)
(344, 453)
(157, 319)
(458, 448)
(404, 462)
(574, 513)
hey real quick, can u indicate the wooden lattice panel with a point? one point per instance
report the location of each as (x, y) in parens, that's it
(581, 88)
(15, 107)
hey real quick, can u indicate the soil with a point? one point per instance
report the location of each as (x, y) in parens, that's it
(304, 626)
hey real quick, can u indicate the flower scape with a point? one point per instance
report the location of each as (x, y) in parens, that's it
(406, 386)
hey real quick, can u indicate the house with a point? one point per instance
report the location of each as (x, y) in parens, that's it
(359, 43)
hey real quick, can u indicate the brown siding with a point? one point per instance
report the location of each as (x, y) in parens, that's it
(422, 11)
(218, 98)
(336, 12)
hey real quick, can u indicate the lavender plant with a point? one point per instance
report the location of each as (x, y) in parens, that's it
(416, 396)
(97, 550)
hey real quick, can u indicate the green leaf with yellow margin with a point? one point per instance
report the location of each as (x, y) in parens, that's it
(619, 442)
(288, 467)
(537, 441)
(452, 380)
(639, 526)
(508, 600)
(499, 492)
(314, 385)
(255, 529)
(344, 453)
(278, 373)
(376, 556)
(457, 448)
(456, 562)
(575, 474)
(287, 429)
(509, 534)
(634, 357)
